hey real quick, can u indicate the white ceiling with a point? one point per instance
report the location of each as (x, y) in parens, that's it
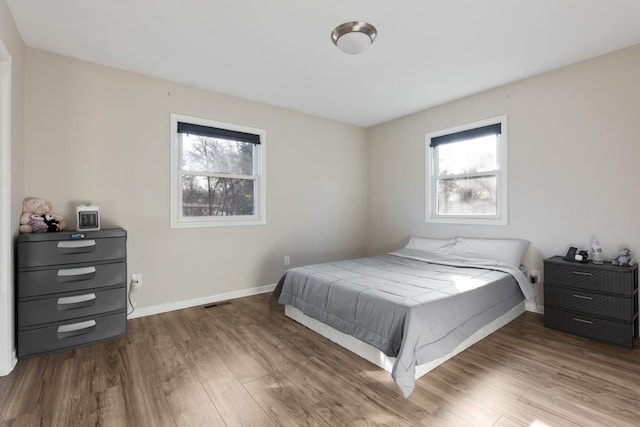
(279, 51)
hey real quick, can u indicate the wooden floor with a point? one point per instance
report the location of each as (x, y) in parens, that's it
(243, 364)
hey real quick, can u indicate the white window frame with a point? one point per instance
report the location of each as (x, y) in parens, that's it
(260, 178)
(501, 217)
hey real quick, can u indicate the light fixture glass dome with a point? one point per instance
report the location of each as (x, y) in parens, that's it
(354, 37)
(353, 43)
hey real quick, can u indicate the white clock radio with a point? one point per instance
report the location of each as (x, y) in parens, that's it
(87, 218)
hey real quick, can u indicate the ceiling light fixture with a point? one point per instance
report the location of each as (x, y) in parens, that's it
(354, 37)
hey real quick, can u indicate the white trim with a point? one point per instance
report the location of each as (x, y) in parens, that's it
(531, 306)
(7, 348)
(177, 220)
(178, 305)
(501, 218)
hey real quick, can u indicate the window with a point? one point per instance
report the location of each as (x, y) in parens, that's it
(467, 178)
(218, 173)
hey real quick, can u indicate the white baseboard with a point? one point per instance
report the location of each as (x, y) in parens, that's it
(532, 306)
(178, 305)
(8, 366)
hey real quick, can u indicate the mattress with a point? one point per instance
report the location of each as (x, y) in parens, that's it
(378, 358)
(410, 308)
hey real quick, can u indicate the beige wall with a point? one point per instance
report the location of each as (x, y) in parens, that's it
(574, 161)
(95, 134)
(100, 135)
(12, 42)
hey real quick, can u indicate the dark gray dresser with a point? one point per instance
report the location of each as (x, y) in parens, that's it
(71, 289)
(594, 301)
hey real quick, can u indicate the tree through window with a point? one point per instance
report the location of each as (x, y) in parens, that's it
(219, 173)
(467, 182)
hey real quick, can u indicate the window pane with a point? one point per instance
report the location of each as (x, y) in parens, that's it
(202, 153)
(211, 196)
(467, 196)
(470, 156)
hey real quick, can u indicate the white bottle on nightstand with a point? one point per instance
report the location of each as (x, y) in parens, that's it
(596, 252)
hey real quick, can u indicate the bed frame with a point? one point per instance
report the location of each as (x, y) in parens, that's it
(378, 358)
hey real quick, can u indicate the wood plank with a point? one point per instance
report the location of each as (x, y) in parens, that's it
(19, 390)
(577, 411)
(505, 421)
(442, 418)
(458, 402)
(185, 395)
(246, 364)
(232, 400)
(143, 394)
(282, 401)
(496, 390)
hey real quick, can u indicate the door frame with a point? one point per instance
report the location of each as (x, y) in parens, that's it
(7, 347)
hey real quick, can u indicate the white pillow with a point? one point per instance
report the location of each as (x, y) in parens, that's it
(510, 251)
(427, 244)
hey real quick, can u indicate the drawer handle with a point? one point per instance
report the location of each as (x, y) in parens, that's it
(76, 301)
(76, 274)
(583, 321)
(76, 329)
(582, 273)
(77, 246)
(582, 296)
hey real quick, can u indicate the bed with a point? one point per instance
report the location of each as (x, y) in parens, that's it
(412, 309)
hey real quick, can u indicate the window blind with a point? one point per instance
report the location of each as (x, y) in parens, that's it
(212, 132)
(494, 129)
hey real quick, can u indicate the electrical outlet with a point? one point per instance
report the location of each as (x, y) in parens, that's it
(136, 281)
(287, 260)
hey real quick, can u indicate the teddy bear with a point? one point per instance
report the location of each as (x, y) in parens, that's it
(37, 224)
(624, 258)
(52, 223)
(34, 213)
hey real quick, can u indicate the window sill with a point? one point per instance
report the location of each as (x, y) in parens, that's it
(200, 223)
(467, 221)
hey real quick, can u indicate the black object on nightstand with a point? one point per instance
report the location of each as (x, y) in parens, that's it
(71, 289)
(597, 301)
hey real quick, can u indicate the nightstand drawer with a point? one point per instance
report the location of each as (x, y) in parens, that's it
(68, 335)
(620, 333)
(70, 306)
(61, 252)
(67, 279)
(600, 280)
(616, 308)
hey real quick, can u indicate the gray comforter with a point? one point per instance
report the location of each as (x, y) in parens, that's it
(412, 305)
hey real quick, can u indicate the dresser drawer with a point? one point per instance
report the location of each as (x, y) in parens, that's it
(61, 252)
(616, 282)
(68, 335)
(78, 277)
(71, 306)
(620, 333)
(614, 307)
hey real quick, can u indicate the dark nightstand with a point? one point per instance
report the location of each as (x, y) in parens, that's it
(597, 301)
